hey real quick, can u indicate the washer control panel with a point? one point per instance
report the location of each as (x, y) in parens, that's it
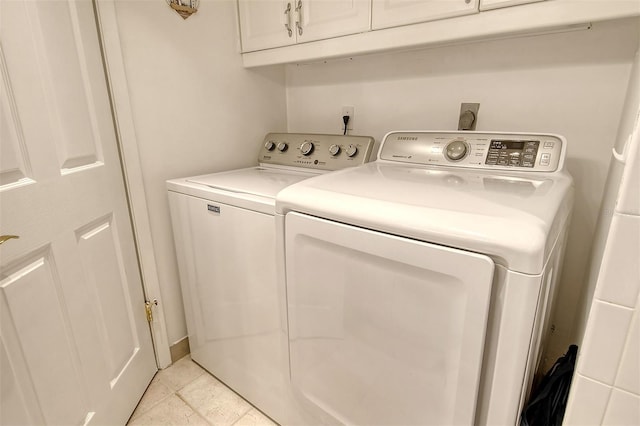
(496, 151)
(315, 151)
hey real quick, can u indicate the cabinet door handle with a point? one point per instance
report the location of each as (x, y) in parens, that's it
(299, 16)
(287, 23)
(4, 238)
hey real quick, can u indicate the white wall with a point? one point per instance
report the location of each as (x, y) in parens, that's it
(606, 383)
(195, 110)
(568, 83)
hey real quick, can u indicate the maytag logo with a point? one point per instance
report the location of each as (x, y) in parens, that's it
(212, 208)
(407, 138)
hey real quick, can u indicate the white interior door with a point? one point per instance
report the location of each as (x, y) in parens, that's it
(384, 330)
(75, 347)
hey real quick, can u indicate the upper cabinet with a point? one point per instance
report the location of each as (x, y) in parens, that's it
(333, 18)
(392, 13)
(299, 31)
(266, 24)
(494, 4)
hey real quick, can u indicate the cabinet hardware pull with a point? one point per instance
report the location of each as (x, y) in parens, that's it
(4, 238)
(299, 17)
(287, 22)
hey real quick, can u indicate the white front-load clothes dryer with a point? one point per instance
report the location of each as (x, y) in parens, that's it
(224, 232)
(420, 285)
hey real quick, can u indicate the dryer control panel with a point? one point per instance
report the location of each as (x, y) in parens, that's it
(315, 151)
(496, 151)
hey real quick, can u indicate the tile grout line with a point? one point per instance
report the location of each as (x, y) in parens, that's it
(197, 412)
(243, 414)
(160, 380)
(135, 415)
(226, 387)
(169, 386)
(177, 391)
(251, 406)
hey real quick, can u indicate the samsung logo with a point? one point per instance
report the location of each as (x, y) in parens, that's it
(407, 138)
(212, 208)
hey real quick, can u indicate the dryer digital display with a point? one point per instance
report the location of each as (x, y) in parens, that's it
(530, 152)
(514, 153)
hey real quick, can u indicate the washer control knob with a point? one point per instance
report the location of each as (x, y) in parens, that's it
(351, 150)
(456, 150)
(306, 148)
(269, 145)
(282, 146)
(334, 149)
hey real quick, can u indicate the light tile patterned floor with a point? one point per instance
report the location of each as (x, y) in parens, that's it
(185, 394)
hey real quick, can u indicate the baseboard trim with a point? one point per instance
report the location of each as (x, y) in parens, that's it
(179, 349)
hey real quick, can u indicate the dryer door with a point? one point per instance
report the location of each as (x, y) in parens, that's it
(383, 329)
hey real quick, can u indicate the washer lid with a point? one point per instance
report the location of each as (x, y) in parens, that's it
(253, 188)
(513, 219)
(261, 181)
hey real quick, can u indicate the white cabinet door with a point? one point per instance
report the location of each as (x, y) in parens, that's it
(495, 4)
(75, 346)
(393, 13)
(264, 24)
(331, 18)
(384, 329)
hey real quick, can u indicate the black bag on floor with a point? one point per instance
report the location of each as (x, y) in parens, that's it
(548, 401)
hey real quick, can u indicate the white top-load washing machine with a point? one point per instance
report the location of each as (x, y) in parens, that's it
(419, 286)
(224, 232)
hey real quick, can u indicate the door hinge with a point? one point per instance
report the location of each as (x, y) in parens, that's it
(148, 308)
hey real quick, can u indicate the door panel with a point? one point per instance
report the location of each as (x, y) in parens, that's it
(14, 162)
(106, 278)
(262, 24)
(383, 329)
(32, 302)
(76, 345)
(14, 408)
(494, 4)
(332, 18)
(71, 101)
(392, 13)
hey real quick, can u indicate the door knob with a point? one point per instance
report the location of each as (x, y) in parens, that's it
(4, 238)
